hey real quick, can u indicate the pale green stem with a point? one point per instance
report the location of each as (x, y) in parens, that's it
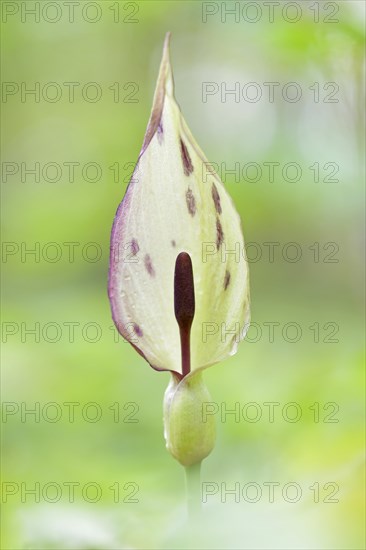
(193, 488)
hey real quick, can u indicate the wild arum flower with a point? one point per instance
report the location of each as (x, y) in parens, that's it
(173, 270)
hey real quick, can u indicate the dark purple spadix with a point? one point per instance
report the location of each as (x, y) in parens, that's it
(184, 305)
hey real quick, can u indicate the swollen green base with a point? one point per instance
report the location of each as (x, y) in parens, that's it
(188, 437)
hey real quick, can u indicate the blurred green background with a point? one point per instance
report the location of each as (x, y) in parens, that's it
(322, 371)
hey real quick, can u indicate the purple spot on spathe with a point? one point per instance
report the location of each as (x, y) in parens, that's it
(227, 279)
(191, 202)
(138, 330)
(216, 199)
(186, 159)
(134, 247)
(149, 267)
(160, 132)
(219, 234)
